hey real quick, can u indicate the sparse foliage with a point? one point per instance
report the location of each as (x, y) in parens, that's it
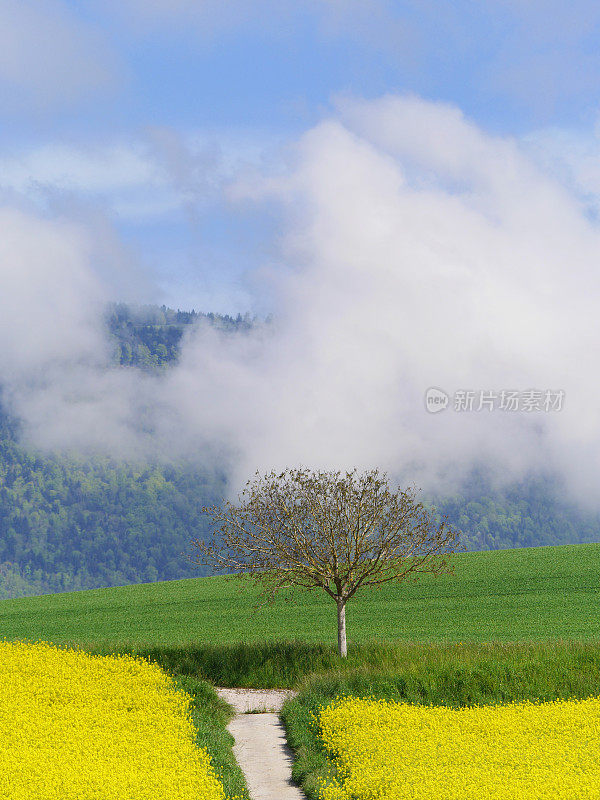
(326, 530)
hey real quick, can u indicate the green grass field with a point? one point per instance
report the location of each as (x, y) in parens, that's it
(531, 593)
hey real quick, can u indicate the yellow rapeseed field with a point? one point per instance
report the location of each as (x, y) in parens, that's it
(81, 727)
(524, 751)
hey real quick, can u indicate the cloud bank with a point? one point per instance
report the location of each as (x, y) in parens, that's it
(417, 251)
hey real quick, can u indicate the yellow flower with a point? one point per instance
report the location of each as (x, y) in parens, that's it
(521, 751)
(80, 727)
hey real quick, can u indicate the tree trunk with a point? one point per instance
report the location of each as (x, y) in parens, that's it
(341, 615)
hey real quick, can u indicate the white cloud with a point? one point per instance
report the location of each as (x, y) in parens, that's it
(92, 169)
(431, 254)
(47, 295)
(49, 58)
(55, 280)
(121, 174)
(142, 178)
(420, 251)
(424, 252)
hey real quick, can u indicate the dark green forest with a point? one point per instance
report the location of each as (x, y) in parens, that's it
(68, 523)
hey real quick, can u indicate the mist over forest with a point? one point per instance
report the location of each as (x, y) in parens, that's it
(72, 521)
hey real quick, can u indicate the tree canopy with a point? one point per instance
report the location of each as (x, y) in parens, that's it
(326, 530)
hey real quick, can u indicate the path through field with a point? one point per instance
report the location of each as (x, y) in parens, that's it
(260, 746)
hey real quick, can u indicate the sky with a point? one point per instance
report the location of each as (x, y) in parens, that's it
(142, 114)
(411, 189)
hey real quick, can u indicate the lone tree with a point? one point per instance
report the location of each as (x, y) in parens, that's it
(325, 530)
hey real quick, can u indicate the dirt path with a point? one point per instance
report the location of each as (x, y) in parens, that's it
(260, 747)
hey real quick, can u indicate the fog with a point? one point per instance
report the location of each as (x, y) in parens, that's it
(417, 251)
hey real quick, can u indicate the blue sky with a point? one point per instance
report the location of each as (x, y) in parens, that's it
(137, 116)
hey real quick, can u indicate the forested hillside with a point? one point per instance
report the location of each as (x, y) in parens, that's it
(149, 336)
(69, 524)
(528, 514)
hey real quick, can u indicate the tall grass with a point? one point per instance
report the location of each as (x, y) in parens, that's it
(423, 672)
(268, 665)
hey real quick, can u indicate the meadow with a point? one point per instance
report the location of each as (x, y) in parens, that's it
(508, 626)
(502, 595)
